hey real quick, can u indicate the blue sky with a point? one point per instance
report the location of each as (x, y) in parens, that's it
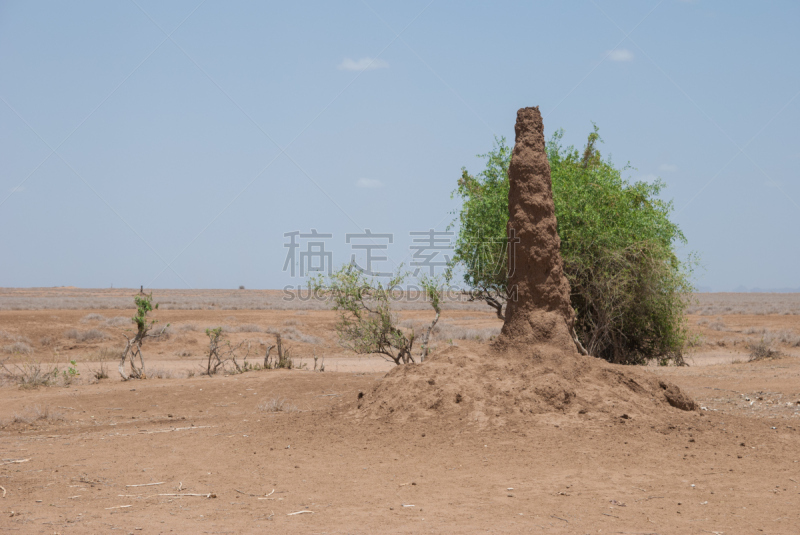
(172, 144)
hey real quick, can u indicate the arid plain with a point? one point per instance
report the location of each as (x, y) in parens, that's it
(288, 451)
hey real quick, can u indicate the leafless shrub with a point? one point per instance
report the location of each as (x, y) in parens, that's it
(291, 322)
(718, 325)
(277, 405)
(301, 313)
(249, 328)
(183, 353)
(163, 334)
(32, 415)
(28, 374)
(92, 335)
(161, 373)
(755, 330)
(761, 350)
(101, 372)
(782, 337)
(18, 348)
(92, 317)
(291, 333)
(447, 331)
(46, 341)
(187, 327)
(103, 354)
(118, 321)
(221, 351)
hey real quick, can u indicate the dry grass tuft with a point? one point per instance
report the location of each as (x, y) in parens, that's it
(162, 373)
(249, 328)
(277, 405)
(762, 350)
(92, 335)
(118, 321)
(92, 317)
(291, 333)
(18, 348)
(32, 415)
(28, 375)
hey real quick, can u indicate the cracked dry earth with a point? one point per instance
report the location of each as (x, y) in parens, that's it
(197, 455)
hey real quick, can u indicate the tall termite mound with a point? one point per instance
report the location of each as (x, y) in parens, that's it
(534, 368)
(539, 310)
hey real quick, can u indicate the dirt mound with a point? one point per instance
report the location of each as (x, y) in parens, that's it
(515, 383)
(534, 367)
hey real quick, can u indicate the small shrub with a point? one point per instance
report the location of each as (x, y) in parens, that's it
(92, 317)
(18, 348)
(718, 325)
(161, 373)
(32, 415)
(241, 287)
(755, 330)
(46, 341)
(249, 328)
(187, 327)
(291, 333)
(100, 373)
(183, 353)
(118, 321)
(277, 405)
(761, 350)
(291, 322)
(92, 335)
(29, 375)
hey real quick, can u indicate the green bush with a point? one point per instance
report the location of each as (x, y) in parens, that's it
(629, 288)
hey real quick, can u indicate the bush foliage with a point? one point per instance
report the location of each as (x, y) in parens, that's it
(629, 288)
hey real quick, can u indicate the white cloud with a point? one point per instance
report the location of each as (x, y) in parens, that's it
(620, 54)
(667, 167)
(363, 64)
(370, 183)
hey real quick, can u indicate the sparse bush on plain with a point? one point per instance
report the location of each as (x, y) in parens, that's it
(92, 335)
(718, 325)
(101, 372)
(29, 374)
(292, 333)
(249, 328)
(33, 415)
(283, 358)
(277, 405)
(762, 350)
(221, 351)
(46, 341)
(118, 321)
(133, 347)
(367, 323)
(92, 317)
(161, 373)
(190, 327)
(18, 348)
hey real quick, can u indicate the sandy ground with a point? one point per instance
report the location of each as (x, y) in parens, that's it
(130, 457)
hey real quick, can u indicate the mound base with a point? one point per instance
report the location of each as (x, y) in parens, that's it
(514, 382)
